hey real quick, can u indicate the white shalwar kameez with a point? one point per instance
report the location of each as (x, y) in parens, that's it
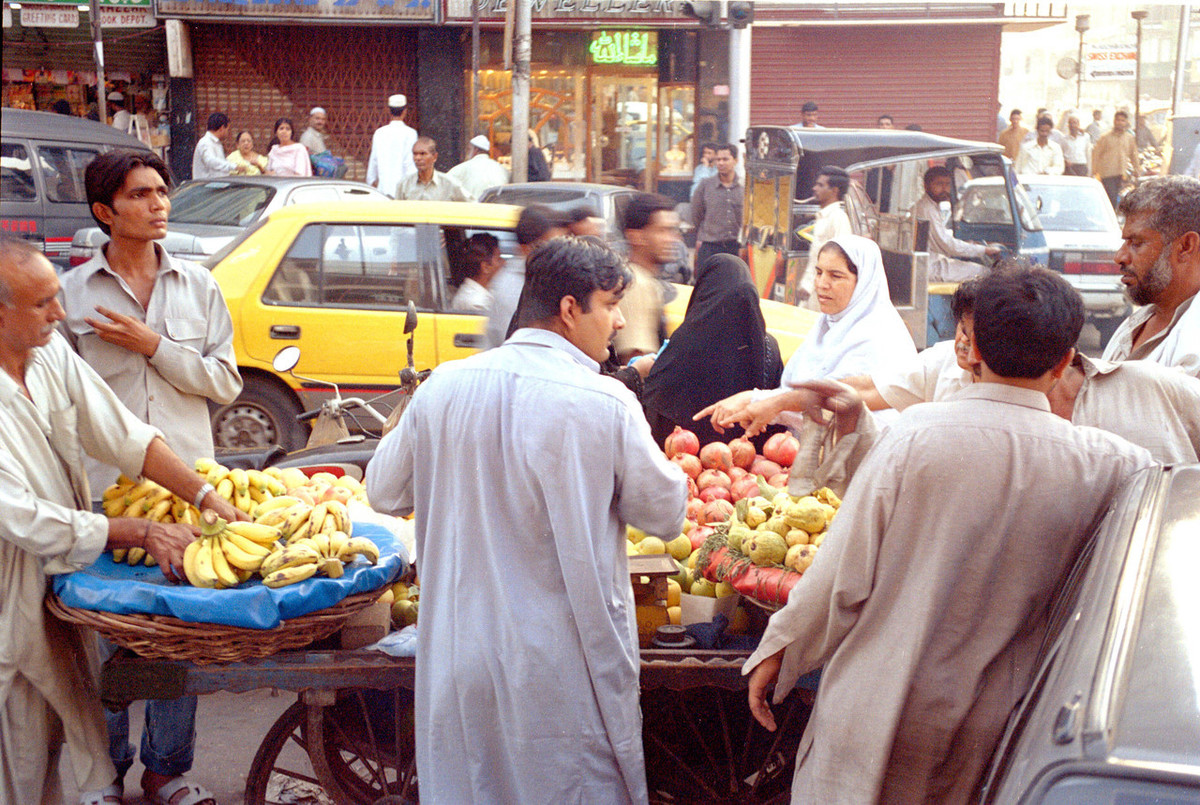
(524, 465)
(1178, 345)
(47, 527)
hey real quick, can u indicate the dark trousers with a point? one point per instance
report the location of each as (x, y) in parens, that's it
(1112, 186)
(1076, 169)
(707, 250)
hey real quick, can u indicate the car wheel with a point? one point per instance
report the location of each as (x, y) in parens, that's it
(262, 415)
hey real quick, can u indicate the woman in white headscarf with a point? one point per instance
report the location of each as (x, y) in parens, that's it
(858, 332)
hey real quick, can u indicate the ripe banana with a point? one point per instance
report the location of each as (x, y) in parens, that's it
(139, 491)
(339, 509)
(150, 561)
(290, 556)
(216, 474)
(205, 572)
(133, 509)
(360, 545)
(255, 532)
(225, 489)
(332, 567)
(294, 516)
(160, 511)
(258, 480)
(119, 554)
(275, 486)
(290, 575)
(135, 556)
(204, 465)
(337, 543)
(242, 501)
(225, 574)
(115, 491)
(114, 507)
(189, 563)
(278, 504)
(241, 483)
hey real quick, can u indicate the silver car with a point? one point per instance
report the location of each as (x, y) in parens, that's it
(208, 214)
(1113, 715)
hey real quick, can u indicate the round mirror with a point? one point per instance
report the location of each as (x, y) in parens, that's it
(285, 360)
(410, 318)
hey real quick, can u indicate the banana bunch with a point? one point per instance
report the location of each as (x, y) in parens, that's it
(245, 489)
(227, 554)
(148, 500)
(323, 552)
(134, 556)
(296, 519)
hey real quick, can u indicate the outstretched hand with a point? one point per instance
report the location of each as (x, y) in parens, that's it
(726, 412)
(837, 398)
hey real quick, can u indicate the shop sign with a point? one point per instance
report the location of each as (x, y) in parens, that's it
(7, 17)
(49, 16)
(415, 10)
(1110, 62)
(103, 3)
(634, 48)
(127, 17)
(670, 11)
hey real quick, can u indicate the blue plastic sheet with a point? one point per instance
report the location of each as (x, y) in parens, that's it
(110, 587)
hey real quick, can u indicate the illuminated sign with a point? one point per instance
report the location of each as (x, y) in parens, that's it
(635, 48)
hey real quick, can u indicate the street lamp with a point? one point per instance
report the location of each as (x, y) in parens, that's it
(1138, 15)
(1082, 23)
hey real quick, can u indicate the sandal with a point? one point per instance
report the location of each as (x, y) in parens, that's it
(196, 794)
(107, 796)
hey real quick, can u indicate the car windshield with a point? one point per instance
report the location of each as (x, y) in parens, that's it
(1073, 208)
(220, 203)
(559, 198)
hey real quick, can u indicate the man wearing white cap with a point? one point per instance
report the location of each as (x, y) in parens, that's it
(313, 137)
(391, 149)
(479, 171)
(121, 117)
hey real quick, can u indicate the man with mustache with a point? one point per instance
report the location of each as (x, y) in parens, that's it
(1160, 266)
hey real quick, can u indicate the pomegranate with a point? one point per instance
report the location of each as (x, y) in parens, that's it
(744, 488)
(717, 511)
(737, 473)
(765, 467)
(713, 478)
(716, 456)
(689, 463)
(693, 490)
(778, 480)
(711, 493)
(694, 507)
(698, 534)
(782, 448)
(681, 441)
(743, 453)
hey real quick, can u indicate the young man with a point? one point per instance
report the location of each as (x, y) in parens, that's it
(482, 261)
(1012, 136)
(54, 410)
(391, 148)
(717, 208)
(652, 231)
(1040, 155)
(157, 330)
(1115, 157)
(831, 221)
(208, 160)
(1077, 149)
(809, 114)
(885, 122)
(1160, 266)
(560, 459)
(704, 168)
(927, 620)
(429, 184)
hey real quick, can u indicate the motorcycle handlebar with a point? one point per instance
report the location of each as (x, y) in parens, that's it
(307, 415)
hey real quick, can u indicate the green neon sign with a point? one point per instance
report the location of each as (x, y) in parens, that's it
(635, 48)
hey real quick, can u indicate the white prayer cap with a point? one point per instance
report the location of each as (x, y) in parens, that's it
(316, 110)
(397, 101)
(481, 142)
(116, 96)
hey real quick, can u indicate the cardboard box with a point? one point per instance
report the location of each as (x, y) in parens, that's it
(702, 609)
(366, 626)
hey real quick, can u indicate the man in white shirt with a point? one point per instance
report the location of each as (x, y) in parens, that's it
(561, 459)
(208, 160)
(536, 223)
(1040, 155)
(313, 137)
(122, 120)
(429, 184)
(479, 171)
(482, 260)
(831, 221)
(1096, 127)
(1160, 266)
(391, 157)
(1077, 149)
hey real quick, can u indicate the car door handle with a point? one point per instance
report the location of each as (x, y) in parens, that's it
(468, 340)
(286, 332)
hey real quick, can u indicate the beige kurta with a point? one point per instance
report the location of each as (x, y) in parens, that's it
(642, 307)
(928, 600)
(45, 530)
(1177, 346)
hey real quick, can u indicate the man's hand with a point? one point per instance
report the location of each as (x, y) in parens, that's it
(223, 508)
(837, 398)
(125, 331)
(643, 365)
(762, 677)
(166, 542)
(725, 412)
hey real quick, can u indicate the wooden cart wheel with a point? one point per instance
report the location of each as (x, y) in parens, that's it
(281, 771)
(703, 746)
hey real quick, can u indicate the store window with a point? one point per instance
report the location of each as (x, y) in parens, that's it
(555, 98)
(62, 169)
(16, 174)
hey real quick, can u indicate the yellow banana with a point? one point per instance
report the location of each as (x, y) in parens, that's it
(290, 557)
(361, 545)
(302, 531)
(115, 491)
(274, 504)
(205, 572)
(190, 516)
(332, 567)
(150, 561)
(133, 509)
(243, 575)
(114, 507)
(125, 480)
(294, 517)
(160, 511)
(317, 517)
(241, 483)
(342, 513)
(242, 500)
(135, 556)
(215, 475)
(321, 540)
(225, 489)
(119, 554)
(255, 532)
(330, 523)
(256, 551)
(275, 486)
(178, 507)
(337, 543)
(139, 491)
(258, 480)
(290, 575)
(257, 496)
(205, 465)
(189, 563)
(225, 574)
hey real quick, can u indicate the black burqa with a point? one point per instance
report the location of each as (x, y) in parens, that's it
(722, 347)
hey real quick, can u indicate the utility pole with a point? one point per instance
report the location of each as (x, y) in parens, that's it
(1185, 35)
(473, 125)
(98, 47)
(1138, 15)
(520, 91)
(1082, 23)
(739, 83)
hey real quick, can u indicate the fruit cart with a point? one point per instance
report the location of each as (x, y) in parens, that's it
(350, 732)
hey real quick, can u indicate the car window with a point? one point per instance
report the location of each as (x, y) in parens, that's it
(220, 203)
(620, 204)
(558, 198)
(1072, 208)
(985, 204)
(62, 170)
(451, 257)
(305, 195)
(16, 174)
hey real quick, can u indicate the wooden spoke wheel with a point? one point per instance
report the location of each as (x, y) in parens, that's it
(702, 745)
(358, 750)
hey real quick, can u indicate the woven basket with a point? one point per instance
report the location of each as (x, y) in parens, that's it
(164, 637)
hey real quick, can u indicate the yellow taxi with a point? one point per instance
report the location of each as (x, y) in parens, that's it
(336, 281)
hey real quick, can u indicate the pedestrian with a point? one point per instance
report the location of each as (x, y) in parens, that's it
(705, 168)
(122, 120)
(527, 676)
(1001, 123)
(928, 620)
(479, 172)
(1096, 127)
(287, 157)
(61, 107)
(885, 122)
(536, 224)
(244, 156)
(482, 260)
(831, 222)
(55, 411)
(1160, 267)
(157, 330)
(538, 168)
(208, 160)
(391, 157)
(313, 137)
(583, 221)
(429, 184)
(1115, 157)
(1012, 136)
(809, 113)
(1077, 149)
(652, 232)
(1040, 156)
(717, 208)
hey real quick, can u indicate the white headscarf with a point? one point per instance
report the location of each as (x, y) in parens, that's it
(866, 336)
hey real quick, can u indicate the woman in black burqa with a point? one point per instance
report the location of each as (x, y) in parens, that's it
(721, 347)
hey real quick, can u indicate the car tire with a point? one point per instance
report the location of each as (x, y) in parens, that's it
(262, 415)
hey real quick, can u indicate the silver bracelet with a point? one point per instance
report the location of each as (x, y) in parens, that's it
(203, 493)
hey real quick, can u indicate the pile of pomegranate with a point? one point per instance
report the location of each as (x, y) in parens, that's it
(721, 474)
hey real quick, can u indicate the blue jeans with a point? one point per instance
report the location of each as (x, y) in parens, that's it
(941, 324)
